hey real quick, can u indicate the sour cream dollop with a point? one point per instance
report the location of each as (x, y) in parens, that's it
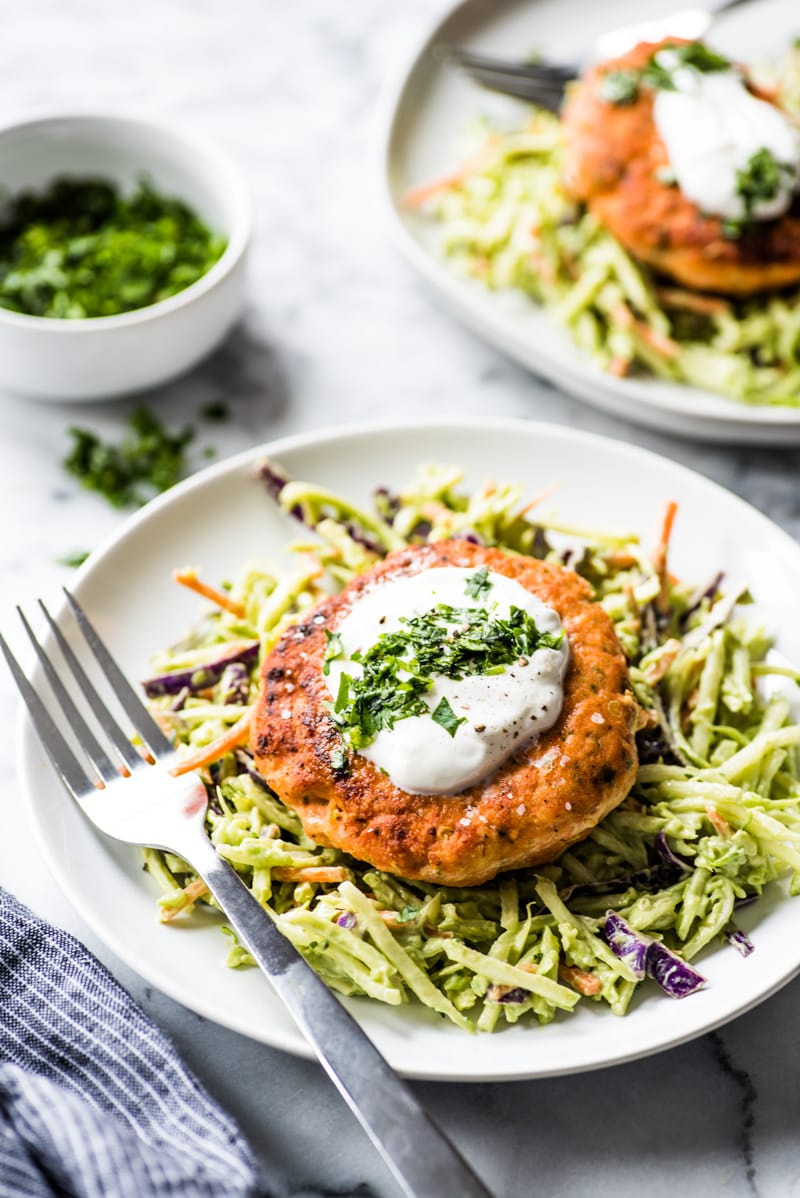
(503, 712)
(712, 126)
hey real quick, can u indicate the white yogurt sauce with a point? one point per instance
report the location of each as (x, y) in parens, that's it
(712, 126)
(503, 711)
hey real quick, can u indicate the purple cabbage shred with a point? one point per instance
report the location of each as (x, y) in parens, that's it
(363, 538)
(669, 856)
(246, 761)
(199, 678)
(234, 685)
(708, 592)
(650, 958)
(347, 920)
(470, 535)
(273, 478)
(740, 941)
(675, 977)
(501, 994)
(626, 944)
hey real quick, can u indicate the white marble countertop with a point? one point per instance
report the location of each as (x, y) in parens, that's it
(337, 329)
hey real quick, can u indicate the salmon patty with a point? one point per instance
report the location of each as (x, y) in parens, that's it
(616, 163)
(543, 799)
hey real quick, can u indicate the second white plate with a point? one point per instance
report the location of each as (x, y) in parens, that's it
(220, 519)
(428, 115)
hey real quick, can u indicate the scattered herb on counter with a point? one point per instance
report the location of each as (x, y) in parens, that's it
(74, 559)
(81, 249)
(147, 461)
(217, 411)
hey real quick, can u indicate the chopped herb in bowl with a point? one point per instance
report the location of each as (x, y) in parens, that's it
(81, 248)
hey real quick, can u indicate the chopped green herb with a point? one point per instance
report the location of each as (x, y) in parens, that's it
(147, 461)
(659, 70)
(74, 559)
(620, 87)
(217, 412)
(339, 763)
(334, 649)
(761, 179)
(732, 229)
(80, 249)
(407, 914)
(453, 642)
(446, 718)
(666, 175)
(478, 584)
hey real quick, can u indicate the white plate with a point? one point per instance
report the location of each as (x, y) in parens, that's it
(429, 113)
(222, 517)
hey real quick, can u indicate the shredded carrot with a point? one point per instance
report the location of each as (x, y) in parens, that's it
(191, 893)
(719, 822)
(661, 550)
(633, 607)
(418, 196)
(625, 318)
(236, 735)
(321, 874)
(654, 672)
(537, 499)
(691, 301)
(621, 560)
(657, 341)
(580, 980)
(619, 367)
(188, 578)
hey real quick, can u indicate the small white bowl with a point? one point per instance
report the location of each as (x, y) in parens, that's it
(104, 357)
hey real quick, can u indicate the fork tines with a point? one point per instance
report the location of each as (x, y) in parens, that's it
(66, 763)
(541, 83)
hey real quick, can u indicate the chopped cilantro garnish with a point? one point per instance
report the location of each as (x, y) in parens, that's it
(81, 249)
(620, 87)
(407, 914)
(446, 718)
(478, 584)
(339, 763)
(335, 649)
(761, 179)
(660, 68)
(74, 559)
(452, 642)
(216, 411)
(147, 461)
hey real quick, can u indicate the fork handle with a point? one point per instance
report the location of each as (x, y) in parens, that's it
(421, 1158)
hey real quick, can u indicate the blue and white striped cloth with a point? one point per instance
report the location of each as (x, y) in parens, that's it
(94, 1100)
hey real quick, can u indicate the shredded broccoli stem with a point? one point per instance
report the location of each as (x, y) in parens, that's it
(717, 782)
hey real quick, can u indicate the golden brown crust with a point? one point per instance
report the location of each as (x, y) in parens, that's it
(539, 803)
(613, 156)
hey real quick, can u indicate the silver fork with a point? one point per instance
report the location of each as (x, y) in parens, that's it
(544, 83)
(147, 805)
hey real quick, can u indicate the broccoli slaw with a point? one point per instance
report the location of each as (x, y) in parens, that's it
(713, 817)
(507, 222)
